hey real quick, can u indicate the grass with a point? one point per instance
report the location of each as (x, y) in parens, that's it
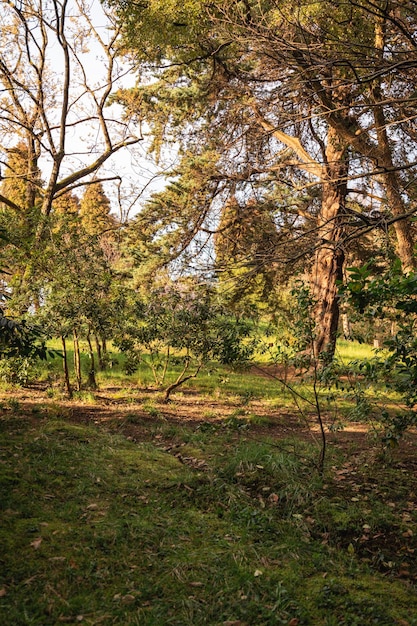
(340, 404)
(99, 530)
(353, 350)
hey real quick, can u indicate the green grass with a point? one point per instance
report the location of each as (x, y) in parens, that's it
(99, 530)
(352, 350)
(340, 403)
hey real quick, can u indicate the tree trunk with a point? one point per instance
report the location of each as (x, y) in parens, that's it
(65, 365)
(77, 360)
(389, 177)
(92, 384)
(329, 259)
(99, 353)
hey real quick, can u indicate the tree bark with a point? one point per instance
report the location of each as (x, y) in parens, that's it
(65, 365)
(328, 266)
(389, 177)
(92, 383)
(99, 353)
(77, 360)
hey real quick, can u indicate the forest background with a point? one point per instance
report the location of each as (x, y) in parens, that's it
(265, 223)
(291, 138)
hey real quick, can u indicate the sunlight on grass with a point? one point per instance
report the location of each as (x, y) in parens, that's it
(351, 350)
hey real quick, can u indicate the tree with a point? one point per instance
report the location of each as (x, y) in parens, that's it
(246, 236)
(281, 88)
(19, 223)
(53, 107)
(223, 80)
(76, 282)
(95, 211)
(181, 323)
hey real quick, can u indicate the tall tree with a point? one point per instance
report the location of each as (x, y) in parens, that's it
(95, 210)
(282, 87)
(246, 236)
(54, 103)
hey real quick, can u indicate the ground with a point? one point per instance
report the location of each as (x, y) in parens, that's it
(359, 522)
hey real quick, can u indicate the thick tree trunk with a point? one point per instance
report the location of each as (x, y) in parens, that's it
(329, 259)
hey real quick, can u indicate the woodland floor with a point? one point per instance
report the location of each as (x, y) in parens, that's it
(358, 475)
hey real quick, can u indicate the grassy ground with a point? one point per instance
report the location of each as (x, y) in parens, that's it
(209, 510)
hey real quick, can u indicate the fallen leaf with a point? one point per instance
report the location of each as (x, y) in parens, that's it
(92, 507)
(36, 543)
(3, 592)
(257, 573)
(128, 599)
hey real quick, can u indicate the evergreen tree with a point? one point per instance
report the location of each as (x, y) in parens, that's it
(246, 245)
(276, 87)
(95, 210)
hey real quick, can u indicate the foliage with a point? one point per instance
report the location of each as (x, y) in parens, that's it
(251, 81)
(391, 296)
(22, 343)
(20, 338)
(181, 323)
(95, 211)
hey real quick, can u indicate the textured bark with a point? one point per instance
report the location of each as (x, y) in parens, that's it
(329, 259)
(92, 383)
(389, 177)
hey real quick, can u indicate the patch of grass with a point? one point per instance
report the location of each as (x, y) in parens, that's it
(87, 397)
(98, 530)
(351, 350)
(152, 410)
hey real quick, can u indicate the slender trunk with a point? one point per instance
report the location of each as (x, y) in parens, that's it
(182, 379)
(347, 331)
(65, 365)
(328, 265)
(92, 384)
(391, 184)
(77, 360)
(99, 353)
(389, 176)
